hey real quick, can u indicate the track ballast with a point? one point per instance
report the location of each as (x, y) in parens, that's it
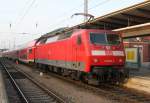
(23, 89)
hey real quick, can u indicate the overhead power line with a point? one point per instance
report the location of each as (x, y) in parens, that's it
(21, 12)
(64, 20)
(75, 8)
(99, 4)
(26, 12)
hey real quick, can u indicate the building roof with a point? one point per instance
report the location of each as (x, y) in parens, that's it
(133, 15)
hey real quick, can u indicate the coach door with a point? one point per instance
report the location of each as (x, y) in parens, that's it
(76, 50)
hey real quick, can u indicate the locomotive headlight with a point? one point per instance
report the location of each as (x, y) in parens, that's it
(120, 60)
(95, 60)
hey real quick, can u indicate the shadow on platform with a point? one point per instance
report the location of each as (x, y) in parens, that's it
(140, 72)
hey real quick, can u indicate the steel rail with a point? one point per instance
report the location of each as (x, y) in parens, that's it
(43, 87)
(15, 84)
(109, 94)
(54, 95)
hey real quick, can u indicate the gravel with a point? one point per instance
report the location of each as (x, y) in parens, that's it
(71, 93)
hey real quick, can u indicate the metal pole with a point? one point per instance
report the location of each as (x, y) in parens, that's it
(128, 21)
(14, 42)
(9, 44)
(85, 9)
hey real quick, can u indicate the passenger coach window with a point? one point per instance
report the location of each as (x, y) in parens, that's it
(30, 51)
(79, 40)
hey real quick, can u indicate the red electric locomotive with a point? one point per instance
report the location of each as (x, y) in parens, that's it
(88, 54)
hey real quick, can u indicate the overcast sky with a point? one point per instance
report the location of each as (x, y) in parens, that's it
(35, 17)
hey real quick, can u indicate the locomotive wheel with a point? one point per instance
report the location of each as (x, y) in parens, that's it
(75, 75)
(84, 78)
(59, 70)
(50, 68)
(65, 72)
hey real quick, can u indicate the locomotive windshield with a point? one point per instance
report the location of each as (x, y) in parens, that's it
(106, 39)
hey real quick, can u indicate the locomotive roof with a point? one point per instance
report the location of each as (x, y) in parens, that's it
(54, 32)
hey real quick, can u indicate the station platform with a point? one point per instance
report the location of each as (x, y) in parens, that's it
(139, 79)
(3, 95)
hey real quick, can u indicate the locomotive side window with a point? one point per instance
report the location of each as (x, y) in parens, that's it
(79, 40)
(42, 41)
(65, 35)
(52, 39)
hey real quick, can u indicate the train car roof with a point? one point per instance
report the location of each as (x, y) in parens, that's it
(26, 45)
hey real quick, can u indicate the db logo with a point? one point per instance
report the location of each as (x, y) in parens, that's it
(108, 47)
(108, 52)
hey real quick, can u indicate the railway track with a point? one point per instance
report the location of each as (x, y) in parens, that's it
(24, 89)
(127, 93)
(115, 93)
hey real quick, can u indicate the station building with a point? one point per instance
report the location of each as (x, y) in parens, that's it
(137, 45)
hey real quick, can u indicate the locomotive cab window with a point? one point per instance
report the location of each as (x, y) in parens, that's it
(113, 39)
(79, 40)
(106, 39)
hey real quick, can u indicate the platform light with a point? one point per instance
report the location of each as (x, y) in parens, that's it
(95, 60)
(120, 60)
(138, 38)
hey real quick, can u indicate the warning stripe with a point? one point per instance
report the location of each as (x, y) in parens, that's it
(104, 53)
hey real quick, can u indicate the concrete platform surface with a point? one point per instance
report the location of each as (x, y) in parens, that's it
(140, 80)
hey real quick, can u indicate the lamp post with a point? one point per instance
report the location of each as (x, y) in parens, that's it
(139, 53)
